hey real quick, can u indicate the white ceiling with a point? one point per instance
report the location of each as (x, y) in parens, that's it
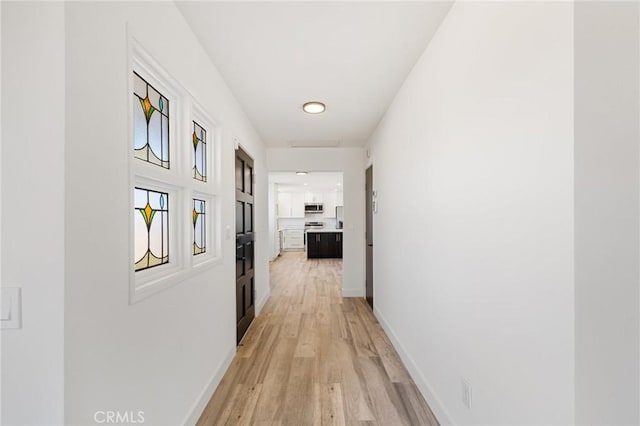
(353, 56)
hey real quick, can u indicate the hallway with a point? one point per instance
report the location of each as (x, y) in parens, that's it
(500, 227)
(312, 357)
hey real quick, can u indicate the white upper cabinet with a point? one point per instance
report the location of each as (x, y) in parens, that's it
(312, 197)
(290, 204)
(329, 204)
(284, 204)
(297, 204)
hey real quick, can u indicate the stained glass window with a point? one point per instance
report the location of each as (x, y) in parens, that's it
(200, 152)
(151, 123)
(199, 227)
(151, 218)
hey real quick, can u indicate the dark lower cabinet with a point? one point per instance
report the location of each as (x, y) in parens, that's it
(324, 245)
(313, 245)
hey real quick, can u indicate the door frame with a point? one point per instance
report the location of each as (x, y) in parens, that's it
(369, 211)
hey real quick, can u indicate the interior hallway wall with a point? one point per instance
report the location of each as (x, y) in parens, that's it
(165, 354)
(607, 186)
(349, 161)
(473, 239)
(274, 236)
(33, 146)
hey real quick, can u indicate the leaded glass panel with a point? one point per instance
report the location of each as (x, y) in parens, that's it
(199, 139)
(151, 123)
(151, 223)
(199, 227)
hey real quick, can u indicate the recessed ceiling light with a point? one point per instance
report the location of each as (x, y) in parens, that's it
(339, 184)
(313, 107)
(301, 173)
(305, 184)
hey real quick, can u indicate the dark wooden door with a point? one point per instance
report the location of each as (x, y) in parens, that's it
(369, 234)
(245, 243)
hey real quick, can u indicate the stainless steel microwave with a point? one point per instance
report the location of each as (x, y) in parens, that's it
(313, 207)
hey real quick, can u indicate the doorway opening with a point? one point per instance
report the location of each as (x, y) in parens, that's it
(306, 220)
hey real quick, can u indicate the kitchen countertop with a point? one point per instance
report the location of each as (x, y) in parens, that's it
(323, 230)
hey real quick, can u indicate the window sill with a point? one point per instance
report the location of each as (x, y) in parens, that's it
(168, 279)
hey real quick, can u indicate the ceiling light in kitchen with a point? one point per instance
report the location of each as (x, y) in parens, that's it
(301, 173)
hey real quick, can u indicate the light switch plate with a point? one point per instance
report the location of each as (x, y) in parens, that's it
(11, 312)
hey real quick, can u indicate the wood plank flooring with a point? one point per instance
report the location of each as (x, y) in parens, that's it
(314, 358)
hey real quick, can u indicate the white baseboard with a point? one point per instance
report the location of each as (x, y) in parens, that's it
(206, 394)
(427, 392)
(352, 292)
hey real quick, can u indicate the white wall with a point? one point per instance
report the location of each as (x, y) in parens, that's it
(349, 161)
(168, 351)
(274, 236)
(473, 239)
(606, 217)
(32, 210)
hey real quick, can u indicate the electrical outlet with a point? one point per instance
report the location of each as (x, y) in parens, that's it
(466, 393)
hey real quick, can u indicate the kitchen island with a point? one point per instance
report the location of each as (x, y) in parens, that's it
(324, 244)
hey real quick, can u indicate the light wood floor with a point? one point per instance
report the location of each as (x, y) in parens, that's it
(314, 358)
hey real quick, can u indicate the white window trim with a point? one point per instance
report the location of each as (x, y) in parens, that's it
(210, 190)
(177, 181)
